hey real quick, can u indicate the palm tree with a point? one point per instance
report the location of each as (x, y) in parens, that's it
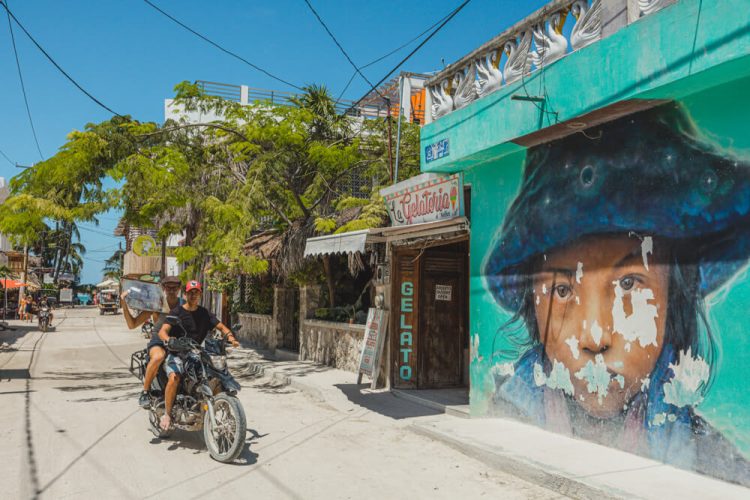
(112, 266)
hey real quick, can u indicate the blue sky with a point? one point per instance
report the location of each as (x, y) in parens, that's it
(130, 57)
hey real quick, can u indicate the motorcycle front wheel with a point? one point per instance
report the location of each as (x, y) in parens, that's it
(225, 441)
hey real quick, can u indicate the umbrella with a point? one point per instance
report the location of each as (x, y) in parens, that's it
(11, 283)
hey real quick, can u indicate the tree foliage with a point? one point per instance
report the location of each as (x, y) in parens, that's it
(262, 166)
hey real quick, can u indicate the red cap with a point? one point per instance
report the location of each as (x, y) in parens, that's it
(193, 284)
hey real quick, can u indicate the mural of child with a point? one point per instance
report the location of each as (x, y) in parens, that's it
(605, 259)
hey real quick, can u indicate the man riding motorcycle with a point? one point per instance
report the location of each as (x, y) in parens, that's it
(156, 352)
(190, 320)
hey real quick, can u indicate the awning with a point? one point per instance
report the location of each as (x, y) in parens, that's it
(355, 241)
(107, 283)
(351, 242)
(11, 283)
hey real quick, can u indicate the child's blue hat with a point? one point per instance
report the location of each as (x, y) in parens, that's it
(647, 173)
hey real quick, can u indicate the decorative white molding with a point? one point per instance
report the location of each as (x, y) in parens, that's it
(647, 7)
(532, 44)
(465, 84)
(489, 75)
(442, 102)
(519, 59)
(550, 43)
(588, 27)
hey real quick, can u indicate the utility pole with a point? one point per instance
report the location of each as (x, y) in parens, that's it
(24, 276)
(398, 132)
(163, 257)
(390, 135)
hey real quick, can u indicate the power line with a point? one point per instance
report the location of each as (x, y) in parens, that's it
(80, 226)
(374, 61)
(23, 88)
(7, 158)
(54, 63)
(446, 21)
(333, 37)
(226, 51)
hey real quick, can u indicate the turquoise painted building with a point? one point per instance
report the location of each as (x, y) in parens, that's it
(607, 151)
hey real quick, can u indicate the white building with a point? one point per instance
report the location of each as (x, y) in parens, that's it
(4, 242)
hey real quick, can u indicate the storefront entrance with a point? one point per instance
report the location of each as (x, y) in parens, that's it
(430, 319)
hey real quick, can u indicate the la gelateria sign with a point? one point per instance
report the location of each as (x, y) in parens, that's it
(424, 198)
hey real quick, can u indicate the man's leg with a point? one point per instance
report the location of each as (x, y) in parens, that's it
(169, 397)
(156, 355)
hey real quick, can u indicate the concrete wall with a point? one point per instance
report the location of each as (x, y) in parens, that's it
(333, 344)
(258, 329)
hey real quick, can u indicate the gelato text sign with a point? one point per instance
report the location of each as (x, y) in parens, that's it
(424, 198)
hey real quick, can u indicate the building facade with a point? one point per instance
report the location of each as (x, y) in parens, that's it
(605, 146)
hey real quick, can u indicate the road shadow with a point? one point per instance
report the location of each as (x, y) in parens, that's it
(12, 336)
(117, 384)
(193, 441)
(385, 403)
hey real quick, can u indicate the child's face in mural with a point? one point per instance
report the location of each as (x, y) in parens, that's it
(601, 312)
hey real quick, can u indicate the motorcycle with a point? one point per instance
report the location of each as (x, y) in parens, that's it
(44, 318)
(206, 398)
(148, 328)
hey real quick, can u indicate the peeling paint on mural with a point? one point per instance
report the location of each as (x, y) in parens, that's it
(604, 262)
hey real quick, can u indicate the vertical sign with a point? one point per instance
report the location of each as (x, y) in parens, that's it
(372, 348)
(405, 324)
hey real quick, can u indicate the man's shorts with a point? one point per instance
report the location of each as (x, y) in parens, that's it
(174, 364)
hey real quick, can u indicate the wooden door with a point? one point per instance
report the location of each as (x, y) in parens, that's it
(442, 317)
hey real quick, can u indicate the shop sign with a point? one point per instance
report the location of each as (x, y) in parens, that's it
(424, 198)
(443, 292)
(369, 359)
(406, 331)
(435, 151)
(66, 295)
(145, 246)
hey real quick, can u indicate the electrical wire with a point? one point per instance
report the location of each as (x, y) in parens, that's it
(54, 63)
(446, 21)
(226, 51)
(7, 158)
(333, 37)
(23, 87)
(374, 61)
(104, 233)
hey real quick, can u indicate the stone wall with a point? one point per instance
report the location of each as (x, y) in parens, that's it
(258, 329)
(333, 344)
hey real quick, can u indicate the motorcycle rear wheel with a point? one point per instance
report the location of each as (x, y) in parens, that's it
(226, 441)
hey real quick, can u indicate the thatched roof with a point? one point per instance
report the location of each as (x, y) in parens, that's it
(265, 245)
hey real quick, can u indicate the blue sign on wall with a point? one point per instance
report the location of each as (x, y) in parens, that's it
(436, 151)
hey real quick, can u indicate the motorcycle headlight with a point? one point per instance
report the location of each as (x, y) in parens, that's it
(219, 362)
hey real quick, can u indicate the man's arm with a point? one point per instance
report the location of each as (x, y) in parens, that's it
(227, 334)
(164, 332)
(129, 319)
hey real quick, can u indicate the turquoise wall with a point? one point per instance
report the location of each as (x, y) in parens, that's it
(720, 115)
(693, 408)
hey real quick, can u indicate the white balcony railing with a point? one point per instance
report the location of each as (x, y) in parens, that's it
(547, 35)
